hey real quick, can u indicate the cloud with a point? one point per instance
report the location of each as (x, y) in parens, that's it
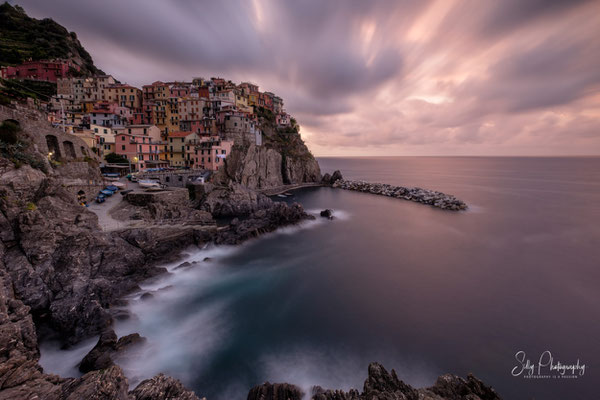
(376, 77)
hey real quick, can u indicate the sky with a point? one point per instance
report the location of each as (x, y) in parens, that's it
(373, 78)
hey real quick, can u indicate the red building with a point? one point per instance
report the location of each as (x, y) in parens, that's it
(43, 70)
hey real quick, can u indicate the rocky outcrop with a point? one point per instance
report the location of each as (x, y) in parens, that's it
(331, 179)
(263, 167)
(160, 207)
(232, 200)
(162, 387)
(262, 221)
(108, 347)
(275, 391)
(383, 385)
(423, 196)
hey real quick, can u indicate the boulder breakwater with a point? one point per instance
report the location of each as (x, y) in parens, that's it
(424, 196)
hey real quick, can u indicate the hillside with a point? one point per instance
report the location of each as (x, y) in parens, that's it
(23, 37)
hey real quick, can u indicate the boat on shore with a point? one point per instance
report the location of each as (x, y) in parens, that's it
(147, 183)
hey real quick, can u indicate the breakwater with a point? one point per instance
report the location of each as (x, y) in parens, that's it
(424, 196)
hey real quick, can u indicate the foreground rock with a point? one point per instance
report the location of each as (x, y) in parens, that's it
(383, 385)
(162, 387)
(108, 347)
(275, 391)
(424, 196)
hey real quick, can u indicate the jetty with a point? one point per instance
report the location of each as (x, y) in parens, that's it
(423, 196)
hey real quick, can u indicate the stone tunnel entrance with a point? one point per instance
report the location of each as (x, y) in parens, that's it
(53, 147)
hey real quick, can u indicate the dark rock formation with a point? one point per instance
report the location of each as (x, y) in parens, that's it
(275, 391)
(327, 213)
(336, 176)
(383, 385)
(233, 200)
(331, 179)
(108, 347)
(162, 387)
(262, 221)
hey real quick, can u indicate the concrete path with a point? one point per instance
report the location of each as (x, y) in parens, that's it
(102, 210)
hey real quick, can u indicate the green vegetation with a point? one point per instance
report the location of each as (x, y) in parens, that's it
(22, 38)
(14, 148)
(19, 90)
(30, 206)
(113, 158)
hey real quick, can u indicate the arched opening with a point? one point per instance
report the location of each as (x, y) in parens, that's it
(69, 149)
(83, 151)
(53, 147)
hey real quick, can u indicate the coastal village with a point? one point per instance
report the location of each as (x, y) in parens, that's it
(163, 125)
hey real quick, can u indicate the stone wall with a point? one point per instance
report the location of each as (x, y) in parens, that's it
(44, 136)
(168, 196)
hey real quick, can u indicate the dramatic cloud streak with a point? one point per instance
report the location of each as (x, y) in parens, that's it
(377, 77)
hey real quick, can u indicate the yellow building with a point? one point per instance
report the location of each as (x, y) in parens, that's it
(175, 148)
(124, 96)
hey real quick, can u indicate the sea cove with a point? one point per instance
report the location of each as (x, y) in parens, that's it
(412, 286)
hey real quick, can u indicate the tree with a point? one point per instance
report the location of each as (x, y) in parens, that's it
(113, 158)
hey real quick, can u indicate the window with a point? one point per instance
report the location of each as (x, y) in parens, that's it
(223, 151)
(123, 147)
(96, 130)
(122, 137)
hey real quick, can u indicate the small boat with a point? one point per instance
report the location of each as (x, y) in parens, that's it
(100, 198)
(148, 183)
(120, 185)
(111, 178)
(282, 195)
(112, 188)
(124, 192)
(288, 194)
(106, 192)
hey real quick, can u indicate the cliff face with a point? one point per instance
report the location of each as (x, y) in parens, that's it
(282, 159)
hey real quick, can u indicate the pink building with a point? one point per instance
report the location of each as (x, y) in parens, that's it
(141, 150)
(180, 91)
(207, 152)
(43, 70)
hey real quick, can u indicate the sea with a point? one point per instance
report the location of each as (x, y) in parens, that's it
(508, 290)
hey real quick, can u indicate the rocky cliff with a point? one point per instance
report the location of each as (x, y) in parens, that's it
(283, 158)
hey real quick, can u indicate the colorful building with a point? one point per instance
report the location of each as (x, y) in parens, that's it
(175, 148)
(42, 70)
(124, 96)
(206, 152)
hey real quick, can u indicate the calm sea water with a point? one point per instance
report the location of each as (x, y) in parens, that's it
(421, 290)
